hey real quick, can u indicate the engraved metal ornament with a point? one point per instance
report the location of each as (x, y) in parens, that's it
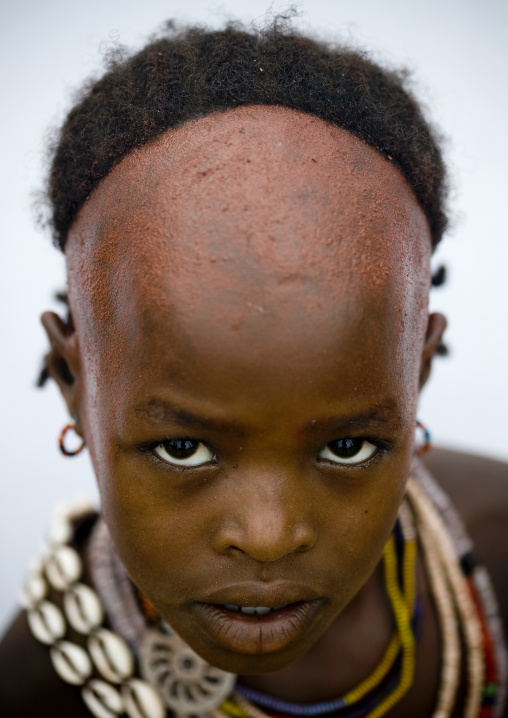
(71, 662)
(83, 608)
(102, 700)
(187, 683)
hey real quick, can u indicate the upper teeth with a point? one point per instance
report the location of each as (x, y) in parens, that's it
(251, 610)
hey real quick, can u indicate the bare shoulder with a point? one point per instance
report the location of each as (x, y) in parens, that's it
(479, 489)
(29, 686)
(477, 485)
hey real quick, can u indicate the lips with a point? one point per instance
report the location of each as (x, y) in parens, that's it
(257, 619)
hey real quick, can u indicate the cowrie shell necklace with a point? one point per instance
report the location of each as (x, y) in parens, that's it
(173, 676)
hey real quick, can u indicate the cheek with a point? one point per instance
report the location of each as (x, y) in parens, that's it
(364, 519)
(160, 526)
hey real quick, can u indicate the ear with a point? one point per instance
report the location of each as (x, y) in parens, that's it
(433, 338)
(63, 361)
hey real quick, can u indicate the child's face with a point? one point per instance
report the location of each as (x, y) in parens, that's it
(255, 281)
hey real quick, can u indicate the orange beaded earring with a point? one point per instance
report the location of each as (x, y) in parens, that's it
(61, 444)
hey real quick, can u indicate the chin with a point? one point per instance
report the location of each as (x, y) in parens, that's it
(245, 665)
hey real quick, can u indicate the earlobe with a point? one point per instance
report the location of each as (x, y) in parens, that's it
(435, 330)
(63, 358)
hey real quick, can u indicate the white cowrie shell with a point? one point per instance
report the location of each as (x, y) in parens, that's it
(33, 591)
(60, 531)
(142, 700)
(102, 700)
(63, 567)
(111, 655)
(83, 608)
(46, 622)
(38, 562)
(71, 662)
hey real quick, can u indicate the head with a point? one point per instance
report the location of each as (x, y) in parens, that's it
(250, 332)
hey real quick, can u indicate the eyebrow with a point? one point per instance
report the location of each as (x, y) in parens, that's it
(161, 411)
(381, 414)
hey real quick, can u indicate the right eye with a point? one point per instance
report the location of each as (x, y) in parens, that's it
(349, 452)
(183, 452)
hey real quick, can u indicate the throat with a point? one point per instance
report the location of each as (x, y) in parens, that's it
(346, 653)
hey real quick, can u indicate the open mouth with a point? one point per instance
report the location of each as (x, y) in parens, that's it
(256, 630)
(252, 610)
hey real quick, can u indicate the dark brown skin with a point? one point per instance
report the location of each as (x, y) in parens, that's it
(256, 281)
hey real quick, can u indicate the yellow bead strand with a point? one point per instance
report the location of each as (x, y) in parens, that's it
(409, 583)
(403, 619)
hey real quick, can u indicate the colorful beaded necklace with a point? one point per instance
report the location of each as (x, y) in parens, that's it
(174, 677)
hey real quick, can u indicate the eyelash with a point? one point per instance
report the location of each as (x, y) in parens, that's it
(345, 463)
(149, 449)
(377, 444)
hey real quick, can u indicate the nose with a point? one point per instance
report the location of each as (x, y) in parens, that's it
(268, 521)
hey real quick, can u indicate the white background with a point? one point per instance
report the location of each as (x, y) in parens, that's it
(459, 52)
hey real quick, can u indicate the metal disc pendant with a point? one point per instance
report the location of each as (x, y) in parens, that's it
(187, 683)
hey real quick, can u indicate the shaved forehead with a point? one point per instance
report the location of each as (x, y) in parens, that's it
(253, 222)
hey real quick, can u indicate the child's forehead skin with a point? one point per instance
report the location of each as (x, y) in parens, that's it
(260, 221)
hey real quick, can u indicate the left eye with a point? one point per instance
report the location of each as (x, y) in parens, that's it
(183, 452)
(348, 451)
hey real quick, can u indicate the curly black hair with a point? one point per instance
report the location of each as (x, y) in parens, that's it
(187, 73)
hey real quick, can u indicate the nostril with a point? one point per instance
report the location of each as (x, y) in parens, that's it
(304, 537)
(304, 548)
(265, 536)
